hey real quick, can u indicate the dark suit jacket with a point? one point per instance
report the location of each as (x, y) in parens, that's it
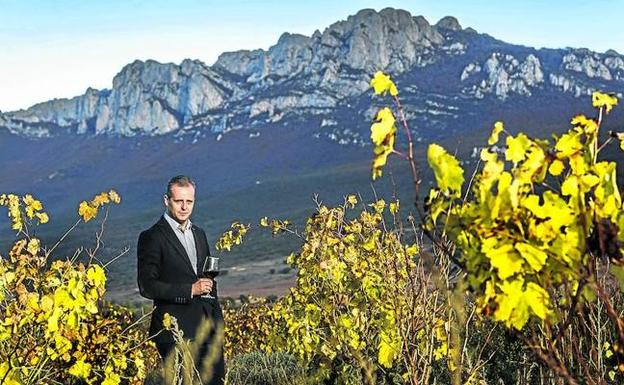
(165, 275)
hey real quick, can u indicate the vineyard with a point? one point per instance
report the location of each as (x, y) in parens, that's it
(511, 273)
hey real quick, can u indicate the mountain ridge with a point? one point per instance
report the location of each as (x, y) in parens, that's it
(313, 75)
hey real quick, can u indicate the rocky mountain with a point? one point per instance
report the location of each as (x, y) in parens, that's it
(446, 71)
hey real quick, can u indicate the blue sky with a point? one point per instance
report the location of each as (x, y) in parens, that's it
(58, 48)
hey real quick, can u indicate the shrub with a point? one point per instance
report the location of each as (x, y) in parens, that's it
(367, 306)
(247, 327)
(539, 234)
(55, 327)
(265, 369)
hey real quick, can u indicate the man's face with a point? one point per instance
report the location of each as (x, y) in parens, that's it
(180, 203)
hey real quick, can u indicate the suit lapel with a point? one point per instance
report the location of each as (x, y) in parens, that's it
(201, 248)
(173, 240)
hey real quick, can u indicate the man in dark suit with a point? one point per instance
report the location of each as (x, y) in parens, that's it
(170, 257)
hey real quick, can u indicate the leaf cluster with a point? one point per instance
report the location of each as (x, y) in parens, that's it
(55, 327)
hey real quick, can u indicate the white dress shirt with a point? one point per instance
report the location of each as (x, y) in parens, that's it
(185, 235)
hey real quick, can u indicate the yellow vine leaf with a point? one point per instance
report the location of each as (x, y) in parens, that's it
(394, 207)
(232, 237)
(556, 167)
(32, 205)
(100, 200)
(511, 308)
(352, 201)
(9, 374)
(387, 350)
(603, 100)
(167, 321)
(534, 256)
(89, 210)
(378, 206)
(381, 156)
(114, 196)
(383, 126)
(533, 168)
(383, 135)
(491, 170)
(498, 128)
(53, 320)
(382, 84)
(43, 217)
(33, 246)
(568, 145)
(111, 379)
(503, 257)
(538, 299)
(515, 305)
(412, 250)
(86, 211)
(588, 181)
(96, 275)
(448, 173)
(570, 186)
(517, 148)
(589, 126)
(80, 369)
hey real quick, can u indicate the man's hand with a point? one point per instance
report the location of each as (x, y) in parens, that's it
(202, 286)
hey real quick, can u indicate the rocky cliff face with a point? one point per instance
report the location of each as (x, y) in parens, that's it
(147, 97)
(391, 39)
(62, 112)
(159, 98)
(315, 76)
(502, 75)
(581, 71)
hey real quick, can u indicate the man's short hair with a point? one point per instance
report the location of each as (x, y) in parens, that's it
(180, 180)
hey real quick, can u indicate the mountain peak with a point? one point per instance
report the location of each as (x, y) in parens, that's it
(390, 39)
(449, 22)
(292, 38)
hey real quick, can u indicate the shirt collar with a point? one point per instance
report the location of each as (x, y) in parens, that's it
(174, 224)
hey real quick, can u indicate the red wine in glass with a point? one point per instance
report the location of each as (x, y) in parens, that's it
(211, 270)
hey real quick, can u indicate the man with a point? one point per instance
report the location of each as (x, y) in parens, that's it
(170, 258)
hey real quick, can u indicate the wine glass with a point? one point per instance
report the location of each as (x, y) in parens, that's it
(211, 270)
